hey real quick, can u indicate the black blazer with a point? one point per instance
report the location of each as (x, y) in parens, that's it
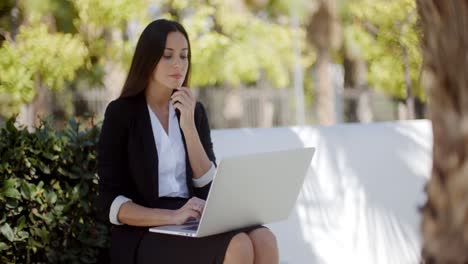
(128, 165)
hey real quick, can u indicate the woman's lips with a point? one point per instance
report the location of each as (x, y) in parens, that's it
(176, 76)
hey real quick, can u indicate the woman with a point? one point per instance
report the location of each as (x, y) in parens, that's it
(156, 162)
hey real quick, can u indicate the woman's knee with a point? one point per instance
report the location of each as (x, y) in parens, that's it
(240, 249)
(263, 237)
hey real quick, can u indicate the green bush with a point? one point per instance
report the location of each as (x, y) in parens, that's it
(48, 191)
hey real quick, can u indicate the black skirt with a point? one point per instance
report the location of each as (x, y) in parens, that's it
(162, 248)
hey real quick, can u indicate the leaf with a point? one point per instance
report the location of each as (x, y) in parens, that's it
(7, 232)
(3, 246)
(11, 126)
(26, 190)
(22, 235)
(50, 156)
(57, 148)
(44, 235)
(10, 183)
(51, 197)
(44, 168)
(21, 223)
(12, 193)
(27, 163)
(65, 173)
(11, 204)
(33, 189)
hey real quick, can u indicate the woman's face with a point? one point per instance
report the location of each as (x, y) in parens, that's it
(172, 67)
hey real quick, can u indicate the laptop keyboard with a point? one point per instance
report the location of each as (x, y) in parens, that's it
(192, 228)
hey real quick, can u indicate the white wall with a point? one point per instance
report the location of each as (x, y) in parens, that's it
(360, 198)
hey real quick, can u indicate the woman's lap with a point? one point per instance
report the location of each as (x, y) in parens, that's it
(163, 248)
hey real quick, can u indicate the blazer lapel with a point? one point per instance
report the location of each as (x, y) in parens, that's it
(150, 153)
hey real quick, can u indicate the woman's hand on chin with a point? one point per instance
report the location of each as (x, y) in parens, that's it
(184, 101)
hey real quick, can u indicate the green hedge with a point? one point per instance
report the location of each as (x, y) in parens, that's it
(48, 191)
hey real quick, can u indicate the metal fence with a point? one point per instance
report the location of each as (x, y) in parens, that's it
(247, 107)
(255, 106)
(226, 107)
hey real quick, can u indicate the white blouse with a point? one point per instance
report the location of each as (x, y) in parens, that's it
(171, 156)
(171, 165)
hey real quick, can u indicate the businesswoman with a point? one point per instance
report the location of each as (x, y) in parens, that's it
(156, 162)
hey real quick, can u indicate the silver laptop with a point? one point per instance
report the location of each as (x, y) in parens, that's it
(249, 190)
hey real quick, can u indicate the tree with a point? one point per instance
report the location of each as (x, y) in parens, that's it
(324, 33)
(387, 33)
(58, 45)
(445, 50)
(37, 59)
(231, 45)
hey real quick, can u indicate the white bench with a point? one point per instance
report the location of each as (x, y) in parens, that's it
(360, 199)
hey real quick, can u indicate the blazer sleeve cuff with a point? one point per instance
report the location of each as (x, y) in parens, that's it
(115, 207)
(206, 178)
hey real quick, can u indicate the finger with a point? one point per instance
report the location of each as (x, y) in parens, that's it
(196, 204)
(186, 95)
(199, 201)
(177, 92)
(183, 89)
(187, 205)
(188, 92)
(176, 105)
(180, 98)
(195, 214)
(189, 209)
(197, 209)
(181, 107)
(188, 218)
(195, 199)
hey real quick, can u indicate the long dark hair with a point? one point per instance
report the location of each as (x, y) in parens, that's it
(148, 52)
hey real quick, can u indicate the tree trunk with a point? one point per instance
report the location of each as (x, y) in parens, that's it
(40, 107)
(410, 98)
(356, 103)
(445, 51)
(324, 33)
(409, 87)
(325, 90)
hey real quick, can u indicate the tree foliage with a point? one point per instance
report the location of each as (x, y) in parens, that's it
(37, 56)
(237, 47)
(231, 44)
(383, 29)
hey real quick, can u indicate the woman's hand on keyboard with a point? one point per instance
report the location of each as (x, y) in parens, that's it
(193, 209)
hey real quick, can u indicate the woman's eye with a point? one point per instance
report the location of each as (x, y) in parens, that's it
(167, 56)
(183, 57)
